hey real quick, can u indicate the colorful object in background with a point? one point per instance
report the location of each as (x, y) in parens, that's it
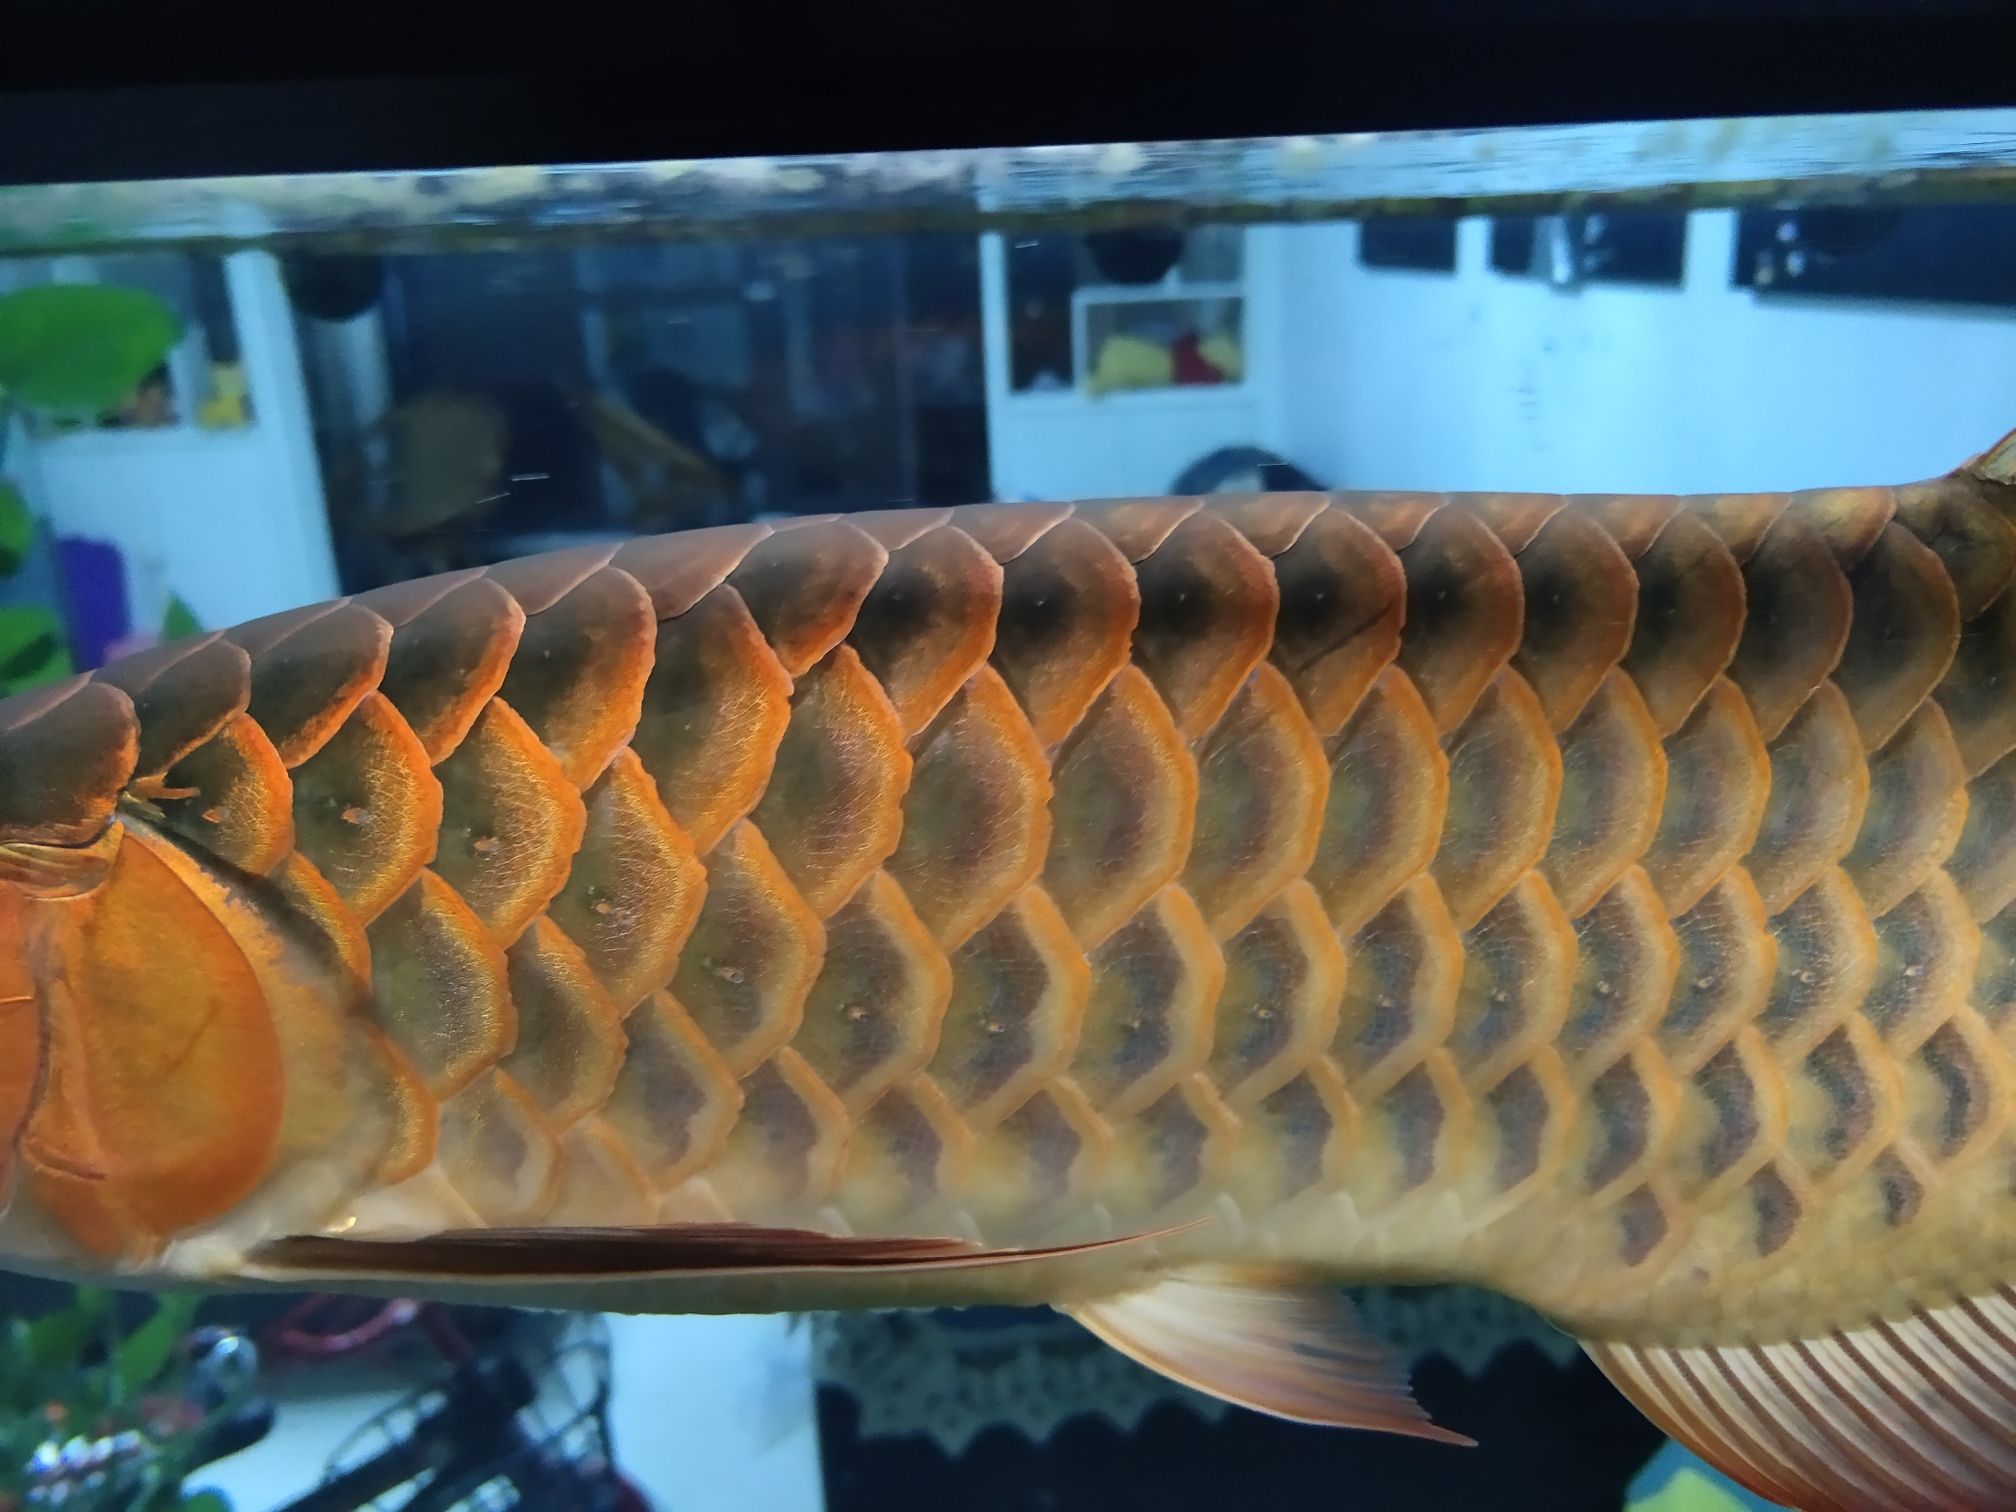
(94, 597)
(71, 354)
(1675, 1481)
(1134, 362)
(229, 403)
(1691, 1491)
(32, 651)
(80, 351)
(41, 642)
(1188, 364)
(99, 1414)
(17, 530)
(179, 621)
(1221, 354)
(32, 646)
(1130, 362)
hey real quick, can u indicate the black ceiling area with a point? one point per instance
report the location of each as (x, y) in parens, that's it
(118, 92)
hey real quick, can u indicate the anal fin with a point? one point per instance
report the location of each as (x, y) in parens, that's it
(1910, 1415)
(1276, 1343)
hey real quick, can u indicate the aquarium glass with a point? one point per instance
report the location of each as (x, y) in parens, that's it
(314, 385)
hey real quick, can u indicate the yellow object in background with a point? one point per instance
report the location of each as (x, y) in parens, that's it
(1223, 353)
(1128, 362)
(229, 405)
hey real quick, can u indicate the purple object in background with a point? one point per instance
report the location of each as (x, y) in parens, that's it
(94, 593)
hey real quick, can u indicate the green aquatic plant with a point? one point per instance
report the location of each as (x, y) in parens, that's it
(96, 1416)
(77, 351)
(32, 646)
(69, 353)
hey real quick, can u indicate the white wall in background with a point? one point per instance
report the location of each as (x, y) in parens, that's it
(232, 520)
(1396, 379)
(717, 1412)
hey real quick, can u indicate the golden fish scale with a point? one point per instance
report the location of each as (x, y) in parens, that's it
(1605, 898)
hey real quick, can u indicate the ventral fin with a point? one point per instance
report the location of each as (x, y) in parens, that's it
(686, 1249)
(1275, 1342)
(1905, 1416)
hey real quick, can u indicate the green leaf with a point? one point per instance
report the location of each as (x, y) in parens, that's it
(144, 1353)
(57, 1341)
(17, 529)
(205, 1501)
(16, 1371)
(32, 650)
(81, 348)
(180, 620)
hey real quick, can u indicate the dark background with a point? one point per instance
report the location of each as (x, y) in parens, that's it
(126, 91)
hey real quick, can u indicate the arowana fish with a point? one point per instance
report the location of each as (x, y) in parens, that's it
(1161, 909)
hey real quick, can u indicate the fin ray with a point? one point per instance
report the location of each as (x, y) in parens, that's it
(1907, 1414)
(1277, 1344)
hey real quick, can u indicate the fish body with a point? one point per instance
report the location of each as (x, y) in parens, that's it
(1161, 908)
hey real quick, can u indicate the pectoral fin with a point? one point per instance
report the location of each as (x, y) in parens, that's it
(535, 1255)
(1905, 1416)
(1277, 1344)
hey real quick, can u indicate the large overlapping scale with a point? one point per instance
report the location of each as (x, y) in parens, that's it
(1588, 895)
